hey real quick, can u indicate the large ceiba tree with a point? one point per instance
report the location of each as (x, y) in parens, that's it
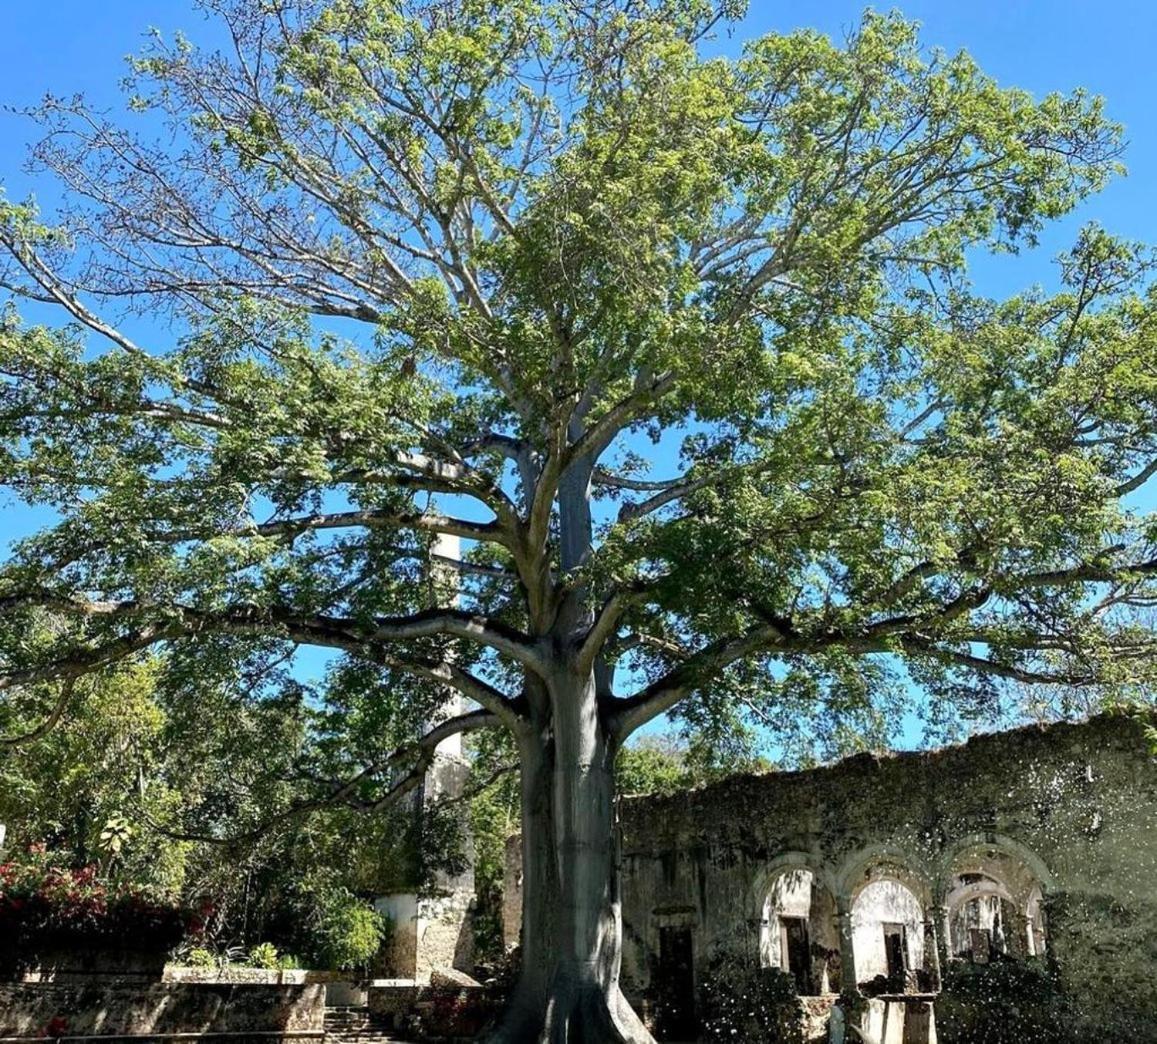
(566, 228)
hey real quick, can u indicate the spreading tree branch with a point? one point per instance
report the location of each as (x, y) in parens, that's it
(178, 621)
(49, 723)
(342, 792)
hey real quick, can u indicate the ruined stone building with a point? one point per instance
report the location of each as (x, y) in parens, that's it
(878, 876)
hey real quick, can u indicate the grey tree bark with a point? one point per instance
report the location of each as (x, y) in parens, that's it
(568, 989)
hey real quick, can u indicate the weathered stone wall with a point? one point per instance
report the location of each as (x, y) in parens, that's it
(241, 974)
(140, 1007)
(430, 933)
(1071, 808)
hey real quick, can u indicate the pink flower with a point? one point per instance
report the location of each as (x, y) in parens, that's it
(57, 1027)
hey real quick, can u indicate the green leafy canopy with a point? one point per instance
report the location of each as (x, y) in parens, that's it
(440, 270)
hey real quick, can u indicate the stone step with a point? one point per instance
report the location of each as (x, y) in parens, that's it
(355, 1026)
(366, 1036)
(348, 1016)
(355, 1031)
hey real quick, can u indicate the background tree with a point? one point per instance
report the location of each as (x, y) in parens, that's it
(101, 770)
(567, 229)
(78, 785)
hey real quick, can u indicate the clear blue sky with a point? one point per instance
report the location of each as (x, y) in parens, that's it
(69, 46)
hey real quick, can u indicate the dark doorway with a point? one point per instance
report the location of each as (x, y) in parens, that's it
(981, 940)
(793, 935)
(675, 986)
(896, 954)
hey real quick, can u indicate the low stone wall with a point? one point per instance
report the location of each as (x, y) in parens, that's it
(253, 976)
(159, 1009)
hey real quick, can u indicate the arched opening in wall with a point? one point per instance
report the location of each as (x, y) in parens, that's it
(994, 906)
(888, 938)
(799, 932)
(982, 919)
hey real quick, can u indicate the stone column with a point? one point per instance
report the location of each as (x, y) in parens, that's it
(943, 939)
(932, 949)
(1029, 936)
(848, 985)
(434, 932)
(852, 1005)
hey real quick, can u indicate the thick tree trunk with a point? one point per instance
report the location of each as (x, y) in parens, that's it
(568, 990)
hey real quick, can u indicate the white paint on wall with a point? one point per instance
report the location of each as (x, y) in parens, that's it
(790, 896)
(885, 902)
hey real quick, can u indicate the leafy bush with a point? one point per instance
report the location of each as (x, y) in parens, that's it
(264, 955)
(349, 932)
(199, 957)
(45, 906)
(1004, 1002)
(742, 1001)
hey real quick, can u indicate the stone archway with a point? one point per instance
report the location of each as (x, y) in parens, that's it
(887, 902)
(798, 924)
(993, 900)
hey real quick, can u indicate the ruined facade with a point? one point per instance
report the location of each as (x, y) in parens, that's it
(881, 877)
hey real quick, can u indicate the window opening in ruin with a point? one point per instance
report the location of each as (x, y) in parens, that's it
(795, 943)
(994, 908)
(895, 953)
(799, 933)
(889, 938)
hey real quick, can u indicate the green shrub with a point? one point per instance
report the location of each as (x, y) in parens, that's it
(1004, 1002)
(264, 955)
(349, 931)
(44, 906)
(741, 1001)
(199, 957)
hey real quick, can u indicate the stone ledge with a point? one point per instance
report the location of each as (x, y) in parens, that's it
(257, 976)
(162, 1010)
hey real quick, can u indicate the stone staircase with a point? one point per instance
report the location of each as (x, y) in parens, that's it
(356, 1026)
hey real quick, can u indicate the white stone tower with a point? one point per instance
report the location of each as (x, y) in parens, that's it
(433, 931)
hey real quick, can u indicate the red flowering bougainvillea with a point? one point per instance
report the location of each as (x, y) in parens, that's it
(45, 906)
